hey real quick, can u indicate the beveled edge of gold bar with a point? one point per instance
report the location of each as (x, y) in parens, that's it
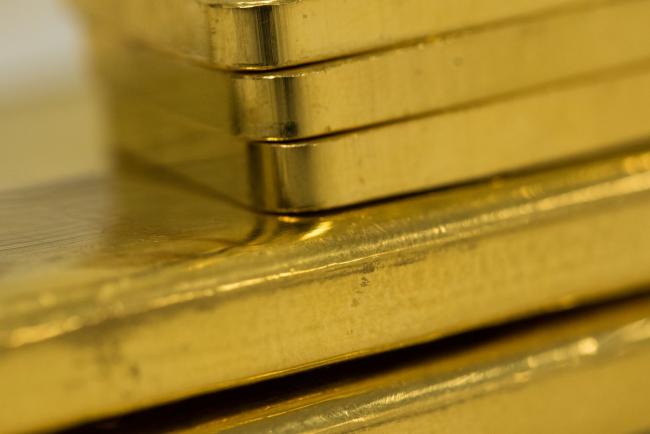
(272, 34)
(306, 291)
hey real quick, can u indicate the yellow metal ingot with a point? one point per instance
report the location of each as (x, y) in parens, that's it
(136, 289)
(444, 73)
(253, 34)
(579, 373)
(604, 112)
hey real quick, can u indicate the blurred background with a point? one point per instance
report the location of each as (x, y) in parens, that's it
(46, 93)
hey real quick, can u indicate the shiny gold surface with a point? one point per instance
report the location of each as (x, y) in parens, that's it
(279, 33)
(603, 112)
(133, 289)
(123, 286)
(442, 73)
(580, 373)
(565, 95)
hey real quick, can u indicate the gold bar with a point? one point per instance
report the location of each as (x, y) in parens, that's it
(595, 114)
(146, 291)
(438, 74)
(279, 33)
(582, 373)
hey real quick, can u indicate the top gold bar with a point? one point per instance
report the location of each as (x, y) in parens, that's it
(270, 34)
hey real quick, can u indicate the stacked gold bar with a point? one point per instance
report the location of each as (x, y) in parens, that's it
(240, 238)
(440, 94)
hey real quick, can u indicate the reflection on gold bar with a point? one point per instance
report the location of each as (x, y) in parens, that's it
(597, 114)
(395, 84)
(145, 290)
(252, 34)
(580, 373)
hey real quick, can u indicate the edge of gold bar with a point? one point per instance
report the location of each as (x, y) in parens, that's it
(596, 114)
(240, 297)
(426, 78)
(280, 33)
(579, 372)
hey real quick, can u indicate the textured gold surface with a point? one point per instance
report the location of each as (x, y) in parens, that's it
(278, 33)
(438, 74)
(581, 373)
(604, 112)
(133, 289)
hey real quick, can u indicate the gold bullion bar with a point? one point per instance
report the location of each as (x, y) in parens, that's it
(582, 373)
(146, 290)
(279, 33)
(604, 112)
(439, 74)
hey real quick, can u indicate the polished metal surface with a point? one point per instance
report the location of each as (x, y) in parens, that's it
(137, 289)
(439, 74)
(133, 282)
(451, 109)
(279, 33)
(595, 114)
(581, 373)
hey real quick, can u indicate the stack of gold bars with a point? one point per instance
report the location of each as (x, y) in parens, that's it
(299, 183)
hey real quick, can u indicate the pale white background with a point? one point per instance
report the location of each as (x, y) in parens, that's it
(40, 46)
(50, 117)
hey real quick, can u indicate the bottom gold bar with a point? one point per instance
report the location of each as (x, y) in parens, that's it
(134, 289)
(583, 372)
